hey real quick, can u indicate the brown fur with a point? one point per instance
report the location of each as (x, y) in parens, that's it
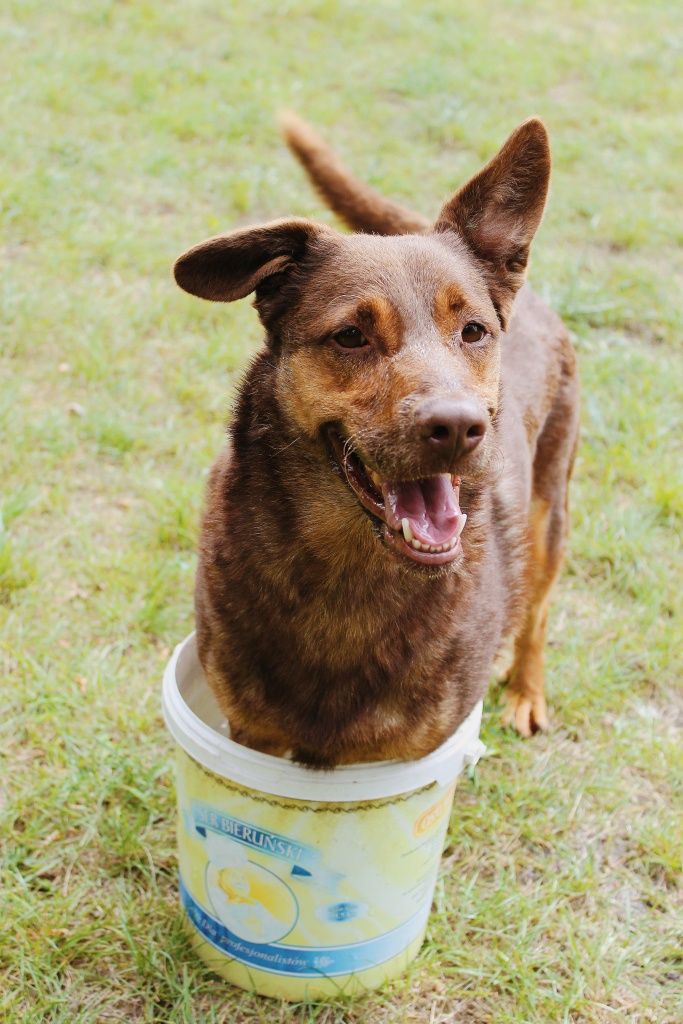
(315, 637)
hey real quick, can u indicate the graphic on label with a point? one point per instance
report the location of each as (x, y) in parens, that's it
(338, 913)
(251, 901)
(435, 813)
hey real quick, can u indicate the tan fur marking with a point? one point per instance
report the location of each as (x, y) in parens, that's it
(525, 698)
(382, 321)
(448, 304)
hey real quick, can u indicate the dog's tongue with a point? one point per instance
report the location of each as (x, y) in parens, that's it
(430, 506)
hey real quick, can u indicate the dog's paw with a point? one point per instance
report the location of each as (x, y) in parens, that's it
(527, 713)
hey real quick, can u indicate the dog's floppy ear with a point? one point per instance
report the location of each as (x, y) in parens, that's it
(498, 211)
(228, 267)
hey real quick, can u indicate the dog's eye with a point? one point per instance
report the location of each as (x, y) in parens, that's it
(472, 332)
(350, 337)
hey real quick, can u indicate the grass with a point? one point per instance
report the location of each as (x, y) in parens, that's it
(133, 130)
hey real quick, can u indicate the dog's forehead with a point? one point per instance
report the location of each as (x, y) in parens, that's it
(405, 269)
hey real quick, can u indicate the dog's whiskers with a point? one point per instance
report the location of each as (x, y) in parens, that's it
(279, 451)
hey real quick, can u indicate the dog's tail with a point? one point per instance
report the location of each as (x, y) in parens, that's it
(357, 204)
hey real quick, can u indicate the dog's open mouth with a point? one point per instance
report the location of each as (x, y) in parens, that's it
(420, 518)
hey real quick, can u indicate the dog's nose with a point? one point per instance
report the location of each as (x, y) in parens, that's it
(449, 426)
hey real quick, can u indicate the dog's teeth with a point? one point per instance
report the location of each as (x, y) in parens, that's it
(407, 532)
(461, 525)
(432, 549)
(376, 478)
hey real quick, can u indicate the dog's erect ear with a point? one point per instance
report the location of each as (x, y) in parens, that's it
(498, 211)
(228, 267)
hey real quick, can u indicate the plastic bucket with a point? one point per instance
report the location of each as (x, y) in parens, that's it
(296, 883)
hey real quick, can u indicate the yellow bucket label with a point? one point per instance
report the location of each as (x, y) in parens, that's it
(303, 892)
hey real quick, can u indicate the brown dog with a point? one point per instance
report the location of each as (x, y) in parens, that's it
(406, 385)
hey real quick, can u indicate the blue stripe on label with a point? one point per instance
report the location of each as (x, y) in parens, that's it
(302, 961)
(244, 832)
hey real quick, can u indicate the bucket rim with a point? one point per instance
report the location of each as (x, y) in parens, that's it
(281, 777)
